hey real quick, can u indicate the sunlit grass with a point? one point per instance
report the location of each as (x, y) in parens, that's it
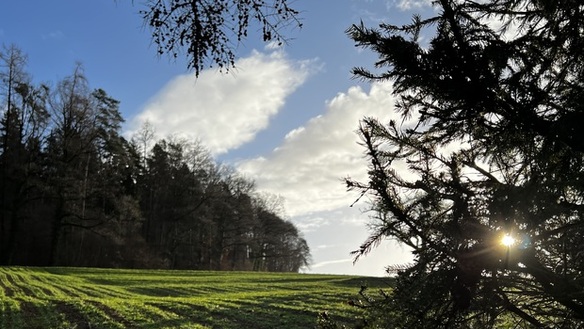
(107, 298)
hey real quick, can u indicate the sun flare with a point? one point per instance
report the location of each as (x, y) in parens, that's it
(508, 240)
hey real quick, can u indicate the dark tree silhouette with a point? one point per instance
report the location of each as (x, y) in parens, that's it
(75, 192)
(491, 100)
(22, 124)
(209, 31)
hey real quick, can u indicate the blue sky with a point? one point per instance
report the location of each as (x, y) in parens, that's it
(285, 117)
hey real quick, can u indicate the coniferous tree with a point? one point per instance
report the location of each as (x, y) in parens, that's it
(22, 128)
(490, 137)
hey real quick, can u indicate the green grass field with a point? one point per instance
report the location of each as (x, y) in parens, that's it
(113, 298)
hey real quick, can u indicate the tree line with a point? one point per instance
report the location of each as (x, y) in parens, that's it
(75, 192)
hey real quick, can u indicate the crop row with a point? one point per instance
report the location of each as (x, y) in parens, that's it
(106, 298)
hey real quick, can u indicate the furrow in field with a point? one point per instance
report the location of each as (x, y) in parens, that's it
(84, 315)
(6, 288)
(70, 290)
(64, 293)
(238, 314)
(106, 291)
(51, 286)
(113, 314)
(18, 285)
(71, 315)
(40, 314)
(184, 316)
(33, 285)
(156, 292)
(139, 312)
(36, 287)
(105, 298)
(196, 315)
(56, 286)
(43, 291)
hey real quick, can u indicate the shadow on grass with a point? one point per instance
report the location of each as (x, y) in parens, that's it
(372, 282)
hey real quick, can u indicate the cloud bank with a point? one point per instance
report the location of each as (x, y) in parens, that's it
(225, 111)
(307, 170)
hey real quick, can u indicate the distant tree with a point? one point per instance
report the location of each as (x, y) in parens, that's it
(234, 217)
(23, 119)
(86, 174)
(171, 197)
(491, 94)
(13, 63)
(200, 215)
(277, 245)
(208, 32)
(109, 190)
(142, 139)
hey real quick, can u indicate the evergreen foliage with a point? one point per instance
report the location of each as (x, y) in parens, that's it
(491, 98)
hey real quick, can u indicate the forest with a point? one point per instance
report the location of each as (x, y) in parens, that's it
(75, 192)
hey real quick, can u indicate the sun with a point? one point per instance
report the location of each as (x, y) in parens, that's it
(508, 240)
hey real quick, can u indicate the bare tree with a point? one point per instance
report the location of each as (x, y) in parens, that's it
(209, 31)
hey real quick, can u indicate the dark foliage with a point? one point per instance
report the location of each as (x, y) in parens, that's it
(209, 31)
(74, 192)
(490, 137)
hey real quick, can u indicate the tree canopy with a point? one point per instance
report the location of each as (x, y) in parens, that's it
(75, 192)
(491, 96)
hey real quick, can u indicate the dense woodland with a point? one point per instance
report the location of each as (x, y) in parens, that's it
(75, 192)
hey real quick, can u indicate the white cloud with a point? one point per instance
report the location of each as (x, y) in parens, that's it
(307, 170)
(331, 262)
(226, 111)
(413, 4)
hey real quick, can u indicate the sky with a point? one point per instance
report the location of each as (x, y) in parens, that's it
(285, 116)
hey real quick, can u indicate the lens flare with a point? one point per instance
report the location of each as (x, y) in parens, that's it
(508, 240)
